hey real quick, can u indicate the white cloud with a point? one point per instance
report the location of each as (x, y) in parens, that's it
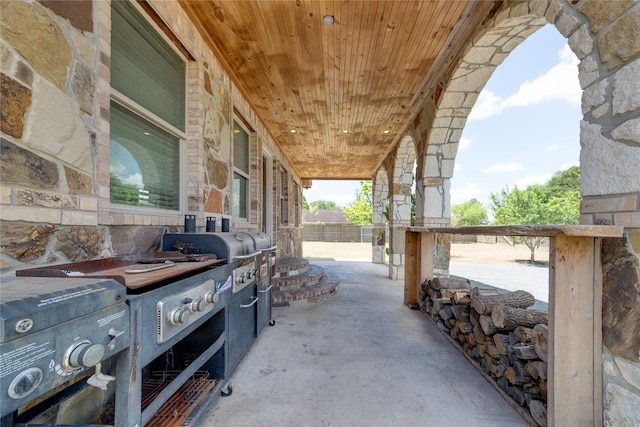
(528, 180)
(553, 147)
(559, 83)
(457, 167)
(467, 192)
(487, 105)
(465, 143)
(134, 179)
(504, 167)
(341, 200)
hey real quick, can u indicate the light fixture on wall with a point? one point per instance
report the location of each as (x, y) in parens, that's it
(327, 19)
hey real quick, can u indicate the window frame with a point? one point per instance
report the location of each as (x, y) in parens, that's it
(137, 109)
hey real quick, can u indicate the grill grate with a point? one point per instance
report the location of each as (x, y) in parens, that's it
(175, 412)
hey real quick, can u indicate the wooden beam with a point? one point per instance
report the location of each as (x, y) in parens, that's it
(575, 332)
(530, 230)
(418, 263)
(411, 267)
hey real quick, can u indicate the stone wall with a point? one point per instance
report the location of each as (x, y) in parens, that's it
(54, 142)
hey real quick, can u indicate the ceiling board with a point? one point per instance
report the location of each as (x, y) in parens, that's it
(366, 73)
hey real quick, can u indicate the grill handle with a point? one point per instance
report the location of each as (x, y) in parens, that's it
(255, 300)
(272, 248)
(266, 290)
(251, 255)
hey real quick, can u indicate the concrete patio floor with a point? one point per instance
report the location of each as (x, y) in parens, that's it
(358, 358)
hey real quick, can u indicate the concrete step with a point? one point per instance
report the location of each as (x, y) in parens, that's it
(327, 286)
(310, 277)
(291, 266)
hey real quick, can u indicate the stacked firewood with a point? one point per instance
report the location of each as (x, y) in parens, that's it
(498, 331)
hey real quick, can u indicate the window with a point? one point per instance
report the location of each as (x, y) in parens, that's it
(148, 80)
(240, 171)
(296, 203)
(284, 208)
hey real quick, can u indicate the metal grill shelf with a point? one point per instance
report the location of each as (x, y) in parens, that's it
(176, 411)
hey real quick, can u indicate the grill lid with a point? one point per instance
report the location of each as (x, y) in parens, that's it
(32, 304)
(261, 241)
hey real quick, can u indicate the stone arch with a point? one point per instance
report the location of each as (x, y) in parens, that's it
(400, 204)
(380, 202)
(604, 36)
(458, 98)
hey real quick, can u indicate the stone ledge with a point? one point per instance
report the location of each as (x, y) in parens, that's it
(307, 279)
(327, 287)
(290, 266)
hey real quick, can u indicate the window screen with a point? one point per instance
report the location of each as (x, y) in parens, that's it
(144, 67)
(145, 138)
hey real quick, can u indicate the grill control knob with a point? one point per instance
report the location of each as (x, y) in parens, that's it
(240, 278)
(211, 297)
(85, 355)
(197, 304)
(179, 315)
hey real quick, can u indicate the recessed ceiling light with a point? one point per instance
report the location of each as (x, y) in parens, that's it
(292, 131)
(327, 20)
(345, 131)
(147, 133)
(386, 131)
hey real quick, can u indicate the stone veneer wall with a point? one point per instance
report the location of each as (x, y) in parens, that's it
(605, 36)
(54, 145)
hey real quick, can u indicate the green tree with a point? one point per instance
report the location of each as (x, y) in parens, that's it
(555, 202)
(121, 193)
(305, 204)
(324, 204)
(521, 207)
(470, 212)
(564, 181)
(360, 211)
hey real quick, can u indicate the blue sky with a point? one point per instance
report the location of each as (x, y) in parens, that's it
(524, 126)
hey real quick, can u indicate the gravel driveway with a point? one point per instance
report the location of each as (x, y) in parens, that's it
(488, 264)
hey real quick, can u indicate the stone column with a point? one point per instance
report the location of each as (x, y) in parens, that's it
(379, 232)
(400, 219)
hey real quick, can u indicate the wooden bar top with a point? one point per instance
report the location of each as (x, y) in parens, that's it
(528, 230)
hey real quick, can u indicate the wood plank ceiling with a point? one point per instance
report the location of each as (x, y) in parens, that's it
(368, 73)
